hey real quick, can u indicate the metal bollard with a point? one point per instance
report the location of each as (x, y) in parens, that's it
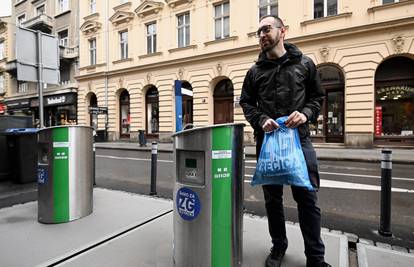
(94, 162)
(141, 138)
(386, 175)
(153, 190)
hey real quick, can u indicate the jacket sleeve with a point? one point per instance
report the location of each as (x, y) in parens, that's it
(248, 102)
(314, 93)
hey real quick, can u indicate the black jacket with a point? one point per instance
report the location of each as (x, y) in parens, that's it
(271, 90)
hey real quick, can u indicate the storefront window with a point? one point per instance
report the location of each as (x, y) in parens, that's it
(125, 115)
(394, 98)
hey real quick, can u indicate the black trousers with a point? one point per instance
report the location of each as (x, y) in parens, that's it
(309, 212)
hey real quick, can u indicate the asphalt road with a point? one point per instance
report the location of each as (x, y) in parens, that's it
(349, 196)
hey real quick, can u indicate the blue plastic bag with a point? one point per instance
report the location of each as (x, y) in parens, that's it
(281, 159)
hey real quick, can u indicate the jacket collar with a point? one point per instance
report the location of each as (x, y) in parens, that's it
(292, 51)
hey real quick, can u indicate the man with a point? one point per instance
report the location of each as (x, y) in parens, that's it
(283, 82)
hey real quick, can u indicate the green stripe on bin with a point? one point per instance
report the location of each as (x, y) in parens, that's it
(221, 199)
(61, 175)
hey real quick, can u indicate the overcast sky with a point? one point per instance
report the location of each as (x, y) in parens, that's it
(5, 8)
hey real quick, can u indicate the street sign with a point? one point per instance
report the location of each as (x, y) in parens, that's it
(98, 110)
(28, 59)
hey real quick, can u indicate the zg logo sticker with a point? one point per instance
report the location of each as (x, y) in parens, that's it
(188, 204)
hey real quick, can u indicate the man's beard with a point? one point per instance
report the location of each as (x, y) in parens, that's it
(272, 43)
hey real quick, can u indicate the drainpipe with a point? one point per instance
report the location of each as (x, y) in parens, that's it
(107, 65)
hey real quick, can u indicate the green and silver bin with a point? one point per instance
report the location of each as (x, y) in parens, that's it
(65, 173)
(208, 196)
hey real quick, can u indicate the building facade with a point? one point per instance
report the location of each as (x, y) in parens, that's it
(58, 18)
(5, 34)
(132, 53)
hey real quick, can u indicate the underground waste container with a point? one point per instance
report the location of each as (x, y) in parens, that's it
(65, 173)
(22, 153)
(208, 196)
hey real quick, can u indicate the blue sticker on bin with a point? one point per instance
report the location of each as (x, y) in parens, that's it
(188, 204)
(42, 175)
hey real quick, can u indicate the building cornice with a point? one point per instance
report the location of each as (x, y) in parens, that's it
(327, 18)
(390, 5)
(353, 30)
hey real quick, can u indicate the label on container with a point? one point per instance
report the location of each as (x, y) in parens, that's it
(188, 204)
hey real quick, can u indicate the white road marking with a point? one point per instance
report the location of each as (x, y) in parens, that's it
(355, 186)
(355, 175)
(136, 159)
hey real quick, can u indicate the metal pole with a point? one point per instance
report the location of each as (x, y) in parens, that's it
(386, 175)
(40, 78)
(153, 169)
(94, 163)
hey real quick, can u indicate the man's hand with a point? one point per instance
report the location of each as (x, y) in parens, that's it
(295, 119)
(270, 125)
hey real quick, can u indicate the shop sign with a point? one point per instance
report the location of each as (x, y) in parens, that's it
(17, 104)
(98, 110)
(395, 92)
(55, 100)
(378, 120)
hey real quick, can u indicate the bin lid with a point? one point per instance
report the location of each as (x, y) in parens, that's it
(20, 131)
(208, 127)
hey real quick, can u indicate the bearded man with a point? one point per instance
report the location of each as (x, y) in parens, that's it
(284, 82)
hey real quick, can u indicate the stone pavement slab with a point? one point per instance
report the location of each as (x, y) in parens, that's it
(151, 245)
(372, 256)
(26, 242)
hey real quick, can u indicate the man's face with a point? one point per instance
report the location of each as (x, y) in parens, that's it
(269, 35)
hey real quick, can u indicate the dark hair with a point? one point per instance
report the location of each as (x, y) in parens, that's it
(277, 20)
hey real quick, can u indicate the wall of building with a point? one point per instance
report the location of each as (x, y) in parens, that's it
(357, 40)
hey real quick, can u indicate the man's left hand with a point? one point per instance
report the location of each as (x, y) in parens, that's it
(295, 119)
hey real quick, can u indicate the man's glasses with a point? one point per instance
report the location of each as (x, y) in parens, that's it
(265, 29)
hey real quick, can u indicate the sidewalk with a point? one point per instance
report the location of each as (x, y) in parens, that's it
(400, 156)
(133, 230)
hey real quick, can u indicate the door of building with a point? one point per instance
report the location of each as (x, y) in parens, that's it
(334, 116)
(223, 110)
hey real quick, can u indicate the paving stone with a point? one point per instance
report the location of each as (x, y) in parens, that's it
(401, 249)
(336, 232)
(366, 241)
(351, 237)
(383, 245)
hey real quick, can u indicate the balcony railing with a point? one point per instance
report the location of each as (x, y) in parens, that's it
(69, 52)
(41, 22)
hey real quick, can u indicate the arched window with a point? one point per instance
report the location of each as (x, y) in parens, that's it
(394, 100)
(125, 117)
(93, 102)
(223, 102)
(152, 111)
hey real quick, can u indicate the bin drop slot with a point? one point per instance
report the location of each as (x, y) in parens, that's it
(191, 167)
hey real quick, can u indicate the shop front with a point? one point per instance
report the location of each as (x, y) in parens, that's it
(58, 109)
(394, 102)
(18, 107)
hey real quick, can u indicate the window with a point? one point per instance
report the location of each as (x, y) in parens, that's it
(63, 38)
(92, 51)
(183, 30)
(40, 10)
(152, 38)
(21, 87)
(1, 50)
(92, 6)
(268, 7)
(222, 20)
(324, 8)
(123, 40)
(1, 84)
(20, 19)
(389, 1)
(63, 5)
